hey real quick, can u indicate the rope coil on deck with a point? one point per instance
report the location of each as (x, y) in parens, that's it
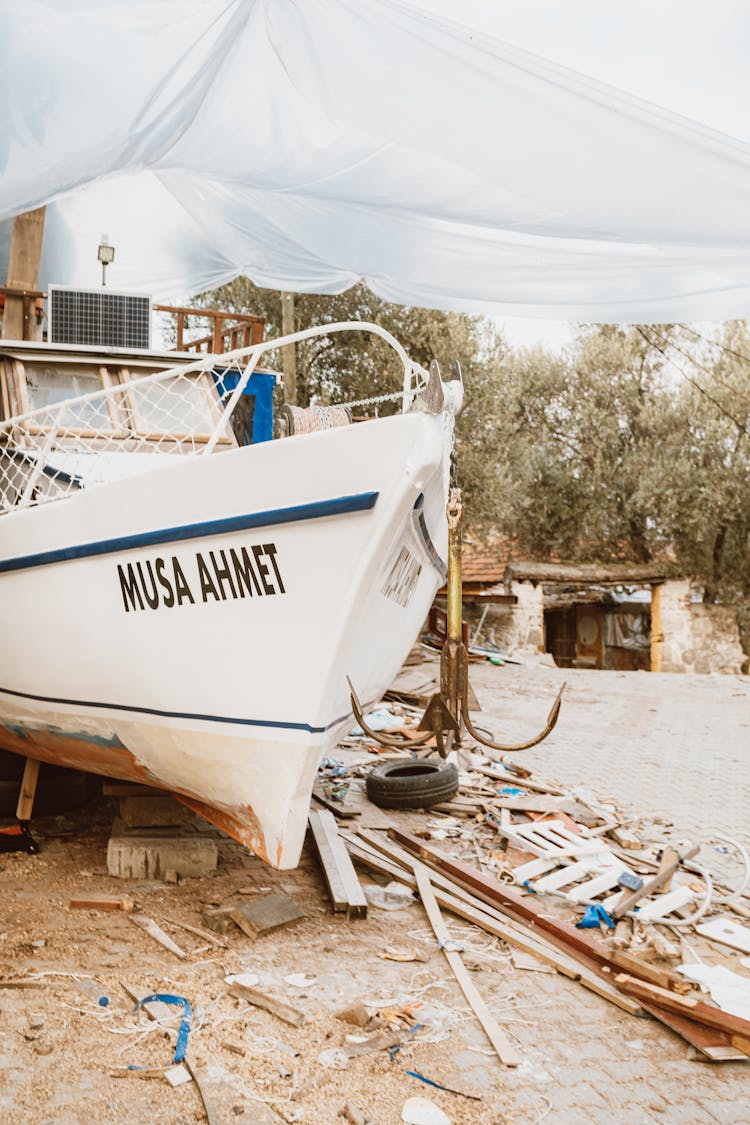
(311, 419)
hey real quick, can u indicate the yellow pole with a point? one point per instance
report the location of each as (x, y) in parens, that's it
(454, 608)
(657, 635)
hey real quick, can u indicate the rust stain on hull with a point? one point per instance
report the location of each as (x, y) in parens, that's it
(110, 758)
(242, 825)
(80, 752)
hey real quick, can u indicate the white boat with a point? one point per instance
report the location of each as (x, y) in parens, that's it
(183, 611)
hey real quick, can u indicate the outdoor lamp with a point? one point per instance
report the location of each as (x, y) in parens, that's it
(106, 256)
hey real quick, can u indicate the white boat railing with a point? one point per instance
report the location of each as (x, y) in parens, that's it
(139, 424)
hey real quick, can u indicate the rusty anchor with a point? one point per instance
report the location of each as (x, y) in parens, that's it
(455, 700)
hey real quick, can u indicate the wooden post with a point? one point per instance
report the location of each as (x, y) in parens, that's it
(218, 344)
(289, 353)
(657, 635)
(28, 790)
(23, 273)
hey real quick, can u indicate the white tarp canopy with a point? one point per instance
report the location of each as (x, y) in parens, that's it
(460, 165)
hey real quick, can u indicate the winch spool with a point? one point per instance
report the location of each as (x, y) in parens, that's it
(294, 420)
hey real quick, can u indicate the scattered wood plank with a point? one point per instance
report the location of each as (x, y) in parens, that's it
(584, 970)
(521, 908)
(506, 777)
(341, 878)
(338, 808)
(504, 1049)
(128, 789)
(102, 902)
(714, 1045)
(736, 1028)
(276, 1007)
(157, 933)
(141, 1072)
(264, 915)
(197, 931)
(670, 862)
(726, 932)
(644, 970)
(383, 1041)
(21, 982)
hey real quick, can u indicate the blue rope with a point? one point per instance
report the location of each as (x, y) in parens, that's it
(182, 1034)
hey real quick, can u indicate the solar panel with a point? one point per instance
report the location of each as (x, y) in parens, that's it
(98, 317)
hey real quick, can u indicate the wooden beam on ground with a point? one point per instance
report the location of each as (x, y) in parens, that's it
(735, 1027)
(525, 909)
(263, 916)
(343, 885)
(670, 862)
(575, 967)
(338, 808)
(504, 1049)
(268, 1003)
(149, 926)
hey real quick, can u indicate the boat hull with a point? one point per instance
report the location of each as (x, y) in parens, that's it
(192, 628)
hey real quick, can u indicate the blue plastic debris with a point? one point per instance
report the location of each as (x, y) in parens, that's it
(182, 1034)
(510, 791)
(103, 1001)
(593, 918)
(437, 1086)
(381, 719)
(334, 764)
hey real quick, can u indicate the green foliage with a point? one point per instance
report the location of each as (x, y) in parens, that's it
(633, 445)
(349, 366)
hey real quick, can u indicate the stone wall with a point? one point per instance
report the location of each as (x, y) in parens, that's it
(698, 637)
(517, 630)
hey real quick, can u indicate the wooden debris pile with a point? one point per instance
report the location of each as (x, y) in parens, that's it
(561, 877)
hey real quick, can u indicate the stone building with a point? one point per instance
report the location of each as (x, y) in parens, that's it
(626, 617)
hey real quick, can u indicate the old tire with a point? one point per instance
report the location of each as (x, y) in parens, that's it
(412, 784)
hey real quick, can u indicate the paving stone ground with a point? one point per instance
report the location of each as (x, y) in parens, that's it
(676, 747)
(668, 745)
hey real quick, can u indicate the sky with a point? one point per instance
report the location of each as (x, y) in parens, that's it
(526, 332)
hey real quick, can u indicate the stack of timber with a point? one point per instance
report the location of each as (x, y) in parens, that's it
(524, 922)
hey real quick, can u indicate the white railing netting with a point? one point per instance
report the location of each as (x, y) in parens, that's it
(137, 425)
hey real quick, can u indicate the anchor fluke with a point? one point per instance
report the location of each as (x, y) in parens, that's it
(391, 740)
(438, 720)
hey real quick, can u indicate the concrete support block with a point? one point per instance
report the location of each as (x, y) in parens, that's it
(157, 810)
(151, 857)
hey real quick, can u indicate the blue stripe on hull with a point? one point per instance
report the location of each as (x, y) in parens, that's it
(360, 502)
(196, 717)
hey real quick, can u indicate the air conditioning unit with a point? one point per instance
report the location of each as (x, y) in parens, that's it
(98, 318)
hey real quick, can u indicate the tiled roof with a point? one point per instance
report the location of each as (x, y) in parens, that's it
(485, 560)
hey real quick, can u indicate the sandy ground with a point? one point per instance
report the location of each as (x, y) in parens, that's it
(671, 747)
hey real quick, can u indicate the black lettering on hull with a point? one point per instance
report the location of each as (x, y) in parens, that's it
(226, 576)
